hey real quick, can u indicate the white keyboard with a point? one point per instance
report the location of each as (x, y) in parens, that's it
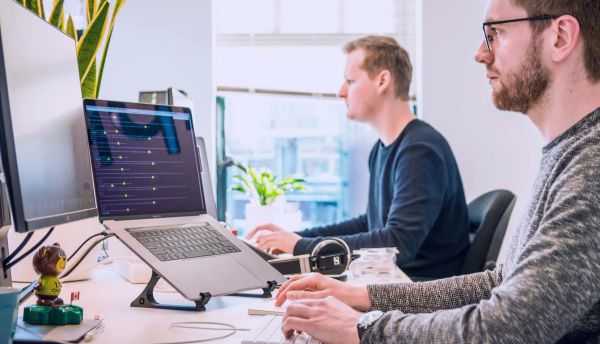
(271, 334)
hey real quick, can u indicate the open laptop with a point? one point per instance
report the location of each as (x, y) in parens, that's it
(150, 194)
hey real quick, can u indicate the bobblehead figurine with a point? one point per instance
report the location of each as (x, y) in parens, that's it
(50, 261)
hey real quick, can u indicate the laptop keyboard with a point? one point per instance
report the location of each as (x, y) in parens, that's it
(173, 243)
(271, 334)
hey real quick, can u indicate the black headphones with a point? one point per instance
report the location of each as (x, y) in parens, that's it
(330, 257)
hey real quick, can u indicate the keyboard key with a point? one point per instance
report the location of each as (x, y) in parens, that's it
(197, 253)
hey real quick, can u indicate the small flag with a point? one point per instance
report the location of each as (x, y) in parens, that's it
(74, 296)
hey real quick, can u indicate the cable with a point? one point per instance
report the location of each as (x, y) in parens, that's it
(86, 253)
(187, 324)
(85, 242)
(18, 249)
(35, 247)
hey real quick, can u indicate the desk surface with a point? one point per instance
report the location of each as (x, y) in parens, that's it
(108, 295)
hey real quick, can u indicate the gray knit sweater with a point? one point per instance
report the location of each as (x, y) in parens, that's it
(549, 288)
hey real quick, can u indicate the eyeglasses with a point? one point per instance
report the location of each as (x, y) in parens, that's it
(489, 36)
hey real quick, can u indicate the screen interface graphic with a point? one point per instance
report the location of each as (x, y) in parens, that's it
(144, 161)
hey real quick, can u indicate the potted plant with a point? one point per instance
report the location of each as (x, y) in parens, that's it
(267, 201)
(90, 41)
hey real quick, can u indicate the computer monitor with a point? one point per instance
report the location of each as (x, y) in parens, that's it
(43, 140)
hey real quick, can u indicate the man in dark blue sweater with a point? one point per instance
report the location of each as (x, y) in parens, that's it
(416, 199)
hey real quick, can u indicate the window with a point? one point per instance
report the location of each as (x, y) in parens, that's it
(279, 65)
(290, 135)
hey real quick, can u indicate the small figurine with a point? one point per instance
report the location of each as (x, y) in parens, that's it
(50, 261)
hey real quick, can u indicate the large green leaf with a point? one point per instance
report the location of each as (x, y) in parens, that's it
(88, 85)
(36, 6)
(57, 13)
(90, 10)
(70, 28)
(117, 8)
(90, 41)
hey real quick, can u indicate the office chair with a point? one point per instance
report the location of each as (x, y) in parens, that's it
(488, 219)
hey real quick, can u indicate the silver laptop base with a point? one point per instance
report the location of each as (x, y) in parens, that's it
(146, 298)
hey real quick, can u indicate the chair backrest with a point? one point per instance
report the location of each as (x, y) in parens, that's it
(488, 219)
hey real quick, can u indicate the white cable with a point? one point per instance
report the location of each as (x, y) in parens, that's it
(187, 324)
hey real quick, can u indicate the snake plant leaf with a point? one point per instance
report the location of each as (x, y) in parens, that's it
(117, 8)
(70, 28)
(88, 85)
(90, 9)
(36, 6)
(22, 2)
(56, 13)
(90, 41)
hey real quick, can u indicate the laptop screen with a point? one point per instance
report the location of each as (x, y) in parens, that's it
(144, 160)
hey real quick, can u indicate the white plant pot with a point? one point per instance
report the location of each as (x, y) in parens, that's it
(262, 214)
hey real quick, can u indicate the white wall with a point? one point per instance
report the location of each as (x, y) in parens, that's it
(157, 44)
(494, 149)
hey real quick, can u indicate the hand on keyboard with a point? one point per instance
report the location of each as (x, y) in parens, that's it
(317, 286)
(328, 319)
(271, 334)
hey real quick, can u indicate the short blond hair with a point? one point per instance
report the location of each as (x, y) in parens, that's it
(384, 53)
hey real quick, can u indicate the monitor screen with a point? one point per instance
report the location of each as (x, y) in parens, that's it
(144, 159)
(43, 139)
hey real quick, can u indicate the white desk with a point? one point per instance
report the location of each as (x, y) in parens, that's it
(109, 296)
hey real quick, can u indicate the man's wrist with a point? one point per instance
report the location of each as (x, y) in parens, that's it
(366, 321)
(359, 297)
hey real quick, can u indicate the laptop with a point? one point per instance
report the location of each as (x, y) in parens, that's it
(149, 192)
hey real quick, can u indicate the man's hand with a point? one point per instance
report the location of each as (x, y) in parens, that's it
(275, 238)
(317, 286)
(328, 320)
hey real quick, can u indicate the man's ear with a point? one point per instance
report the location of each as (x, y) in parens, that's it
(384, 80)
(566, 34)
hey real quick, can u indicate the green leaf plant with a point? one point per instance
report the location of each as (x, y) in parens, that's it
(94, 37)
(263, 186)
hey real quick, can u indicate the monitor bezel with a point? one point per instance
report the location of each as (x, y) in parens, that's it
(11, 171)
(143, 106)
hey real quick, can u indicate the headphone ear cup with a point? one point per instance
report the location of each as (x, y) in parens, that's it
(333, 254)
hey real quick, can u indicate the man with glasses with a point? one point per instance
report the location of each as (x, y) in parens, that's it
(542, 58)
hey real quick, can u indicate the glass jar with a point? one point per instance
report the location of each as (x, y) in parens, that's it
(379, 262)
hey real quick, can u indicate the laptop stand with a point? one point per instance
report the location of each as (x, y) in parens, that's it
(146, 298)
(267, 292)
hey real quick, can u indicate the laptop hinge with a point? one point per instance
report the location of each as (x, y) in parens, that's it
(147, 300)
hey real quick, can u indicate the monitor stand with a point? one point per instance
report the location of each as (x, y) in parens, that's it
(146, 298)
(5, 278)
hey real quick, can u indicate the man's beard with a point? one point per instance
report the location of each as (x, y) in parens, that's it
(525, 88)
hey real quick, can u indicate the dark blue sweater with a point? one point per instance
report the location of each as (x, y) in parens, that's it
(416, 203)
